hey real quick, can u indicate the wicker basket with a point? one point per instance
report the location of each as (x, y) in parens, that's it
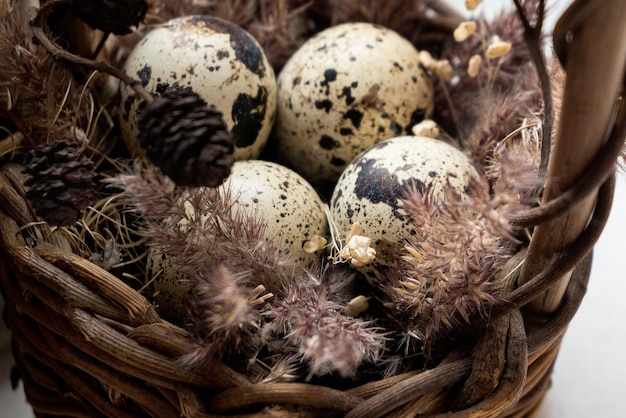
(87, 344)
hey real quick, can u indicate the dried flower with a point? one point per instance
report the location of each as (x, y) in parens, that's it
(474, 65)
(358, 251)
(464, 30)
(427, 61)
(357, 248)
(449, 263)
(498, 49)
(357, 306)
(314, 244)
(310, 317)
(444, 70)
(459, 105)
(472, 4)
(427, 128)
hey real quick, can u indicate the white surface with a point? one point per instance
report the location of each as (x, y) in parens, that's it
(12, 403)
(587, 380)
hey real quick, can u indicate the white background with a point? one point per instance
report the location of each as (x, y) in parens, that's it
(588, 376)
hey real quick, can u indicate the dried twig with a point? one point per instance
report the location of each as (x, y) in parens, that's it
(595, 71)
(532, 35)
(39, 23)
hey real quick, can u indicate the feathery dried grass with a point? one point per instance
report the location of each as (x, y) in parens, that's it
(483, 109)
(227, 316)
(310, 318)
(426, 23)
(281, 26)
(222, 253)
(231, 265)
(512, 162)
(37, 94)
(196, 227)
(449, 267)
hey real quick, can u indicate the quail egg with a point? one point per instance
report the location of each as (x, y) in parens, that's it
(292, 210)
(221, 62)
(168, 285)
(344, 90)
(368, 191)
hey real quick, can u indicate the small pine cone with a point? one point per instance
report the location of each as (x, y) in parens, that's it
(60, 181)
(113, 16)
(185, 138)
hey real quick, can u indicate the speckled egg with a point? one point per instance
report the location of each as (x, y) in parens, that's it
(168, 286)
(292, 209)
(344, 90)
(221, 62)
(368, 190)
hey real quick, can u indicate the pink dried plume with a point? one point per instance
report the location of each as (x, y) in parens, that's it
(310, 317)
(240, 282)
(449, 266)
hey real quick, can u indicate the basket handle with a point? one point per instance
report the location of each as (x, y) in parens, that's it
(595, 68)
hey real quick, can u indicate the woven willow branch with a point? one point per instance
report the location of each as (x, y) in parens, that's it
(595, 71)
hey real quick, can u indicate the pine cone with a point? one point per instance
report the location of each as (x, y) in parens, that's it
(113, 16)
(60, 181)
(187, 139)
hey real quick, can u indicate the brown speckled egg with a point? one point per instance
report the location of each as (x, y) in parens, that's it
(292, 209)
(369, 189)
(168, 286)
(277, 196)
(344, 90)
(221, 62)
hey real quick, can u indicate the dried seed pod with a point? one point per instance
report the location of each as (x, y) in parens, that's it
(186, 138)
(498, 49)
(60, 181)
(464, 31)
(473, 66)
(472, 4)
(114, 16)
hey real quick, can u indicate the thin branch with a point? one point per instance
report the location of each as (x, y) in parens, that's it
(532, 35)
(595, 73)
(540, 15)
(39, 23)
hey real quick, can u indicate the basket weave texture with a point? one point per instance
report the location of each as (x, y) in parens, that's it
(87, 344)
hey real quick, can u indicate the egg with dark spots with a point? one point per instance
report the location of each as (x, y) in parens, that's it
(356, 83)
(221, 62)
(285, 202)
(370, 189)
(289, 209)
(168, 285)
